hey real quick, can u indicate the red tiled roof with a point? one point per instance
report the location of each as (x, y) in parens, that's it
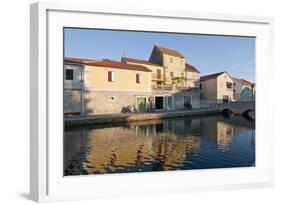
(208, 77)
(107, 63)
(134, 60)
(246, 82)
(191, 68)
(76, 60)
(116, 64)
(170, 51)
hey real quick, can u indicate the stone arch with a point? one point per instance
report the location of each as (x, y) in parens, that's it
(227, 112)
(249, 113)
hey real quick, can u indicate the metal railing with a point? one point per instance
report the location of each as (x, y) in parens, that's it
(163, 87)
(155, 76)
(173, 87)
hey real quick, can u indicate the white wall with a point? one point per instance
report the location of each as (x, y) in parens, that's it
(222, 88)
(76, 83)
(14, 35)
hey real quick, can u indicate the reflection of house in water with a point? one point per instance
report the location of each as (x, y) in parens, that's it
(217, 131)
(154, 145)
(225, 134)
(160, 145)
(75, 152)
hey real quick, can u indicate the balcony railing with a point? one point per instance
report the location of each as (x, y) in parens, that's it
(173, 87)
(163, 87)
(155, 76)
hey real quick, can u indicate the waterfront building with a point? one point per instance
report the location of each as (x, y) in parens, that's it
(106, 86)
(216, 88)
(243, 90)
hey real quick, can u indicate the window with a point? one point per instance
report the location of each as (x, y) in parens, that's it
(225, 98)
(172, 74)
(171, 60)
(229, 85)
(111, 98)
(138, 78)
(111, 76)
(200, 86)
(68, 74)
(158, 73)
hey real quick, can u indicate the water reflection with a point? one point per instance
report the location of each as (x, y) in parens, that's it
(174, 144)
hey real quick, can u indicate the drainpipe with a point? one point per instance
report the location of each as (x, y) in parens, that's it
(82, 89)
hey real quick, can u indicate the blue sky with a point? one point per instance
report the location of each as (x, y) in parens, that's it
(208, 53)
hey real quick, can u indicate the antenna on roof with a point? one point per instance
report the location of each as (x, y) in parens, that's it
(124, 54)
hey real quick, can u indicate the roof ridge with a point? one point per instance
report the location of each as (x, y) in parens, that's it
(136, 60)
(214, 75)
(169, 51)
(191, 68)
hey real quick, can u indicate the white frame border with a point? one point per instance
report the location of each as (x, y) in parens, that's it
(38, 83)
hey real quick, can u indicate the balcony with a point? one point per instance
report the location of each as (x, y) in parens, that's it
(156, 77)
(163, 87)
(174, 88)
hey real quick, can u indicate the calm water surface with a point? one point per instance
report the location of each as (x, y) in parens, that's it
(173, 144)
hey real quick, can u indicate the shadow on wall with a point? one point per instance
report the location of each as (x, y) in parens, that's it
(89, 102)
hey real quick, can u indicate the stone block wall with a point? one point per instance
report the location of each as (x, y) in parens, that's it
(105, 102)
(72, 101)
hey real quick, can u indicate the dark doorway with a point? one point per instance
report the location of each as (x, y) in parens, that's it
(159, 103)
(187, 99)
(225, 98)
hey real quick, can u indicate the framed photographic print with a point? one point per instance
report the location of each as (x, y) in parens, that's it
(127, 102)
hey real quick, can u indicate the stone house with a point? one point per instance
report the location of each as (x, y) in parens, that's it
(175, 83)
(216, 88)
(106, 86)
(157, 75)
(243, 90)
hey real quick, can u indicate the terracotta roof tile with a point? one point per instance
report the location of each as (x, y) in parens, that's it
(134, 60)
(170, 51)
(191, 68)
(108, 63)
(246, 82)
(77, 60)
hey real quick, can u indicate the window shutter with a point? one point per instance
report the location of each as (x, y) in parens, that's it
(137, 78)
(109, 78)
(112, 76)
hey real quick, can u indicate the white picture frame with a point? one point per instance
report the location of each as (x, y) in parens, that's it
(46, 132)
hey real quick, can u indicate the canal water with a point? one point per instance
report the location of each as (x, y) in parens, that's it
(214, 141)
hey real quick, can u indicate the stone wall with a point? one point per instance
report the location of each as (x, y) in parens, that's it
(209, 90)
(104, 102)
(72, 101)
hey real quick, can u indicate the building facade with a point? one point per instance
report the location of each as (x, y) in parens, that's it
(216, 88)
(243, 90)
(132, 85)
